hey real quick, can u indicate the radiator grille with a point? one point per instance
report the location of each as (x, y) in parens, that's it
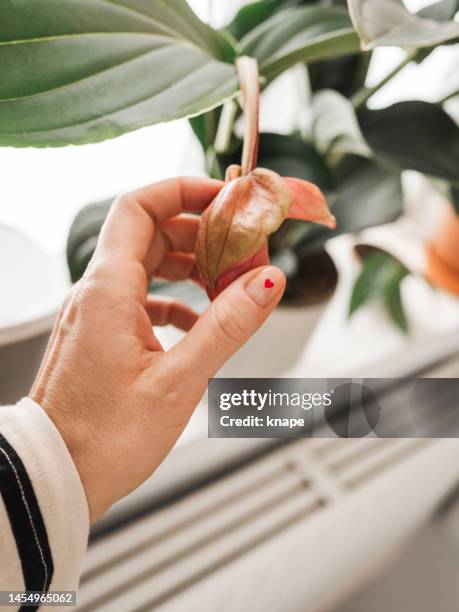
(146, 563)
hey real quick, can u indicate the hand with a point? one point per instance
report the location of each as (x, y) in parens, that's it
(118, 399)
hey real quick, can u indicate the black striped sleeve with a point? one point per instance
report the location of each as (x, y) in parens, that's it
(26, 521)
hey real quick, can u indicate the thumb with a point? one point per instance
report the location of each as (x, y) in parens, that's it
(232, 318)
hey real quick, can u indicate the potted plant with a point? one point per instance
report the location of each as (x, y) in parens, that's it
(96, 72)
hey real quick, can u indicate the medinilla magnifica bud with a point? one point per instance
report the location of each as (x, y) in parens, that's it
(254, 202)
(234, 229)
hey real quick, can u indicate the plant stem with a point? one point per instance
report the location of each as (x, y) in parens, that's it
(225, 127)
(247, 70)
(362, 96)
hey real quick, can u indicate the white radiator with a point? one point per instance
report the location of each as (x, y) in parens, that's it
(297, 530)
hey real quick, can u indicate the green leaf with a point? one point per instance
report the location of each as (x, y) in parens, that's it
(366, 195)
(389, 23)
(380, 279)
(77, 71)
(205, 127)
(304, 34)
(346, 74)
(415, 135)
(253, 14)
(392, 300)
(83, 236)
(335, 128)
(369, 281)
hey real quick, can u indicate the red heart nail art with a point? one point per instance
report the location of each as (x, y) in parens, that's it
(268, 283)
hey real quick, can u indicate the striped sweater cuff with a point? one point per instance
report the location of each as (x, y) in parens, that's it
(43, 500)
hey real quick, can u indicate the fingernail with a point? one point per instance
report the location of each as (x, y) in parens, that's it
(264, 288)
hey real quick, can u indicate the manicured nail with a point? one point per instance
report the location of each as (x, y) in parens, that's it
(264, 288)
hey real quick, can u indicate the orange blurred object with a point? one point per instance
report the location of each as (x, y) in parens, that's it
(443, 254)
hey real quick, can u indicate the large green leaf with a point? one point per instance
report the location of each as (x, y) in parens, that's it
(415, 135)
(253, 14)
(346, 73)
(76, 71)
(305, 34)
(389, 23)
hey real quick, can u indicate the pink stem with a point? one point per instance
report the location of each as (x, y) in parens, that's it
(247, 70)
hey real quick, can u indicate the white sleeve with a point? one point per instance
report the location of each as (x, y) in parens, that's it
(44, 518)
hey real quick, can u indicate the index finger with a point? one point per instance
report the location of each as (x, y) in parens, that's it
(130, 225)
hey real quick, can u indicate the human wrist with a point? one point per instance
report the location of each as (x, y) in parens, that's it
(81, 446)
